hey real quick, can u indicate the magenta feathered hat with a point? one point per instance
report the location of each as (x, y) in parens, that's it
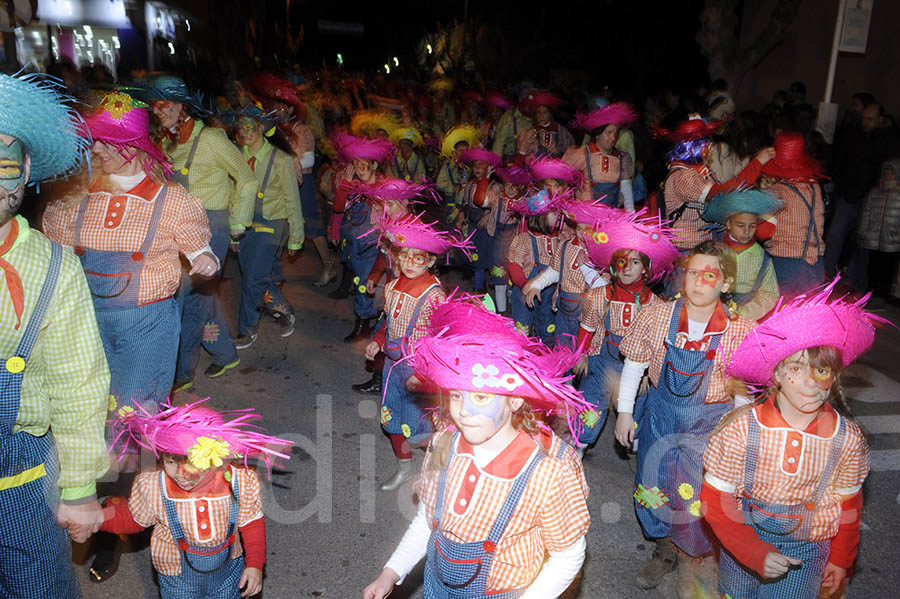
(806, 321)
(617, 113)
(553, 168)
(466, 348)
(514, 174)
(124, 122)
(409, 231)
(393, 189)
(475, 154)
(351, 148)
(204, 435)
(536, 202)
(633, 231)
(587, 213)
(497, 99)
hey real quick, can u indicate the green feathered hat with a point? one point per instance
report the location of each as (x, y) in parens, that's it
(752, 201)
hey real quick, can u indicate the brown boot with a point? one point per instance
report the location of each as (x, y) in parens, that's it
(664, 560)
(695, 574)
(329, 271)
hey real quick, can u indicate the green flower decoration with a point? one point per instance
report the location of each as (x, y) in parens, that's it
(386, 415)
(652, 498)
(590, 418)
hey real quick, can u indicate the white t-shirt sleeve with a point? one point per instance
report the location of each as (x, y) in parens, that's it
(558, 572)
(412, 547)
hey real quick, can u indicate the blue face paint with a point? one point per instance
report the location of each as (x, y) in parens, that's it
(12, 165)
(488, 405)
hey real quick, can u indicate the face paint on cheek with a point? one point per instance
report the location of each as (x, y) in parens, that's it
(709, 276)
(12, 165)
(491, 409)
(824, 380)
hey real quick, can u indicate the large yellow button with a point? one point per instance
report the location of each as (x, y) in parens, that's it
(15, 364)
(260, 194)
(184, 171)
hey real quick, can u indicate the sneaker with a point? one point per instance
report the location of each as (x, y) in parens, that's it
(182, 386)
(245, 341)
(286, 324)
(214, 370)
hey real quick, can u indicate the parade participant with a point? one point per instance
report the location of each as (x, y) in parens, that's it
(198, 501)
(374, 124)
(530, 253)
(782, 488)
(502, 226)
(637, 251)
(481, 193)
(685, 345)
(211, 168)
(546, 137)
(56, 380)
(351, 219)
(128, 230)
(690, 184)
(493, 505)
(496, 104)
(453, 176)
(443, 114)
(607, 171)
(509, 127)
(755, 289)
(409, 165)
(277, 218)
(797, 246)
(409, 301)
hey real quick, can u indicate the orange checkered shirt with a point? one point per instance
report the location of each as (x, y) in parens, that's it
(551, 515)
(688, 184)
(400, 304)
(645, 342)
(118, 223)
(520, 250)
(605, 168)
(570, 278)
(789, 240)
(790, 463)
(204, 519)
(621, 315)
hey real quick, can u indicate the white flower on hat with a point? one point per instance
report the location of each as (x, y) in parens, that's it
(510, 381)
(485, 375)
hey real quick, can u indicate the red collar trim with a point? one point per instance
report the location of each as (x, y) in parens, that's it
(415, 287)
(511, 460)
(216, 486)
(146, 189)
(622, 294)
(717, 324)
(184, 134)
(824, 424)
(738, 247)
(552, 127)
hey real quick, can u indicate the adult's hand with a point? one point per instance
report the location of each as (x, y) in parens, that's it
(204, 265)
(81, 520)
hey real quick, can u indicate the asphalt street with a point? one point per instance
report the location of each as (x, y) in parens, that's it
(330, 528)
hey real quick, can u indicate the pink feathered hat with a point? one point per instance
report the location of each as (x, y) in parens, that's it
(804, 322)
(351, 148)
(536, 202)
(124, 122)
(554, 168)
(587, 213)
(497, 99)
(470, 349)
(633, 231)
(617, 113)
(516, 175)
(393, 189)
(474, 154)
(409, 231)
(204, 435)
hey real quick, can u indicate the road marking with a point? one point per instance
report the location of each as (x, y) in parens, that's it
(881, 388)
(880, 425)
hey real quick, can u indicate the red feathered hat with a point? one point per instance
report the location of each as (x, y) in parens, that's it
(535, 98)
(791, 160)
(690, 130)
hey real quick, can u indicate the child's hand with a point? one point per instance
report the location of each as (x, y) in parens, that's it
(382, 586)
(372, 350)
(625, 429)
(530, 293)
(833, 577)
(581, 367)
(251, 582)
(777, 565)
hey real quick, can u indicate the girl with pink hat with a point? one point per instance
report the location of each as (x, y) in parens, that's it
(502, 225)
(607, 171)
(685, 344)
(494, 503)
(636, 251)
(547, 137)
(480, 195)
(409, 301)
(199, 499)
(782, 487)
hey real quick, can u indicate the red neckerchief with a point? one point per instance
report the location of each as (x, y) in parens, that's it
(822, 425)
(184, 134)
(717, 323)
(216, 486)
(628, 293)
(738, 247)
(13, 280)
(415, 287)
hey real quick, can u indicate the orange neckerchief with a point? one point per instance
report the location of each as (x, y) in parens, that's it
(13, 281)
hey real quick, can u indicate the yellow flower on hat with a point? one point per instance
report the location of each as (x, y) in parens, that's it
(208, 452)
(601, 237)
(116, 104)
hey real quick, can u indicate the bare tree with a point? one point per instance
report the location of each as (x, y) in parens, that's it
(719, 38)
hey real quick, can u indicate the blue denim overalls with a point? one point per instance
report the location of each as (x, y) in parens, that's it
(568, 305)
(541, 315)
(607, 192)
(360, 253)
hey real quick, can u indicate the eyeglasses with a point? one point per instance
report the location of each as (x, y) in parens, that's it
(417, 258)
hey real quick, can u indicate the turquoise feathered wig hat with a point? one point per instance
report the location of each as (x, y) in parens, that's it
(169, 87)
(752, 201)
(34, 110)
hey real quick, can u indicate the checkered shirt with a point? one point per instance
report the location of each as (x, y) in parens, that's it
(551, 515)
(301, 141)
(570, 278)
(147, 509)
(282, 195)
(520, 250)
(686, 184)
(790, 464)
(622, 315)
(645, 342)
(793, 221)
(604, 168)
(117, 222)
(65, 386)
(749, 262)
(401, 306)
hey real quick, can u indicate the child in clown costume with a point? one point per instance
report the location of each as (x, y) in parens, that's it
(637, 251)
(500, 514)
(209, 532)
(408, 164)
(782, 487)
(454, 176)
(409, 301)
(502, 225)
(480, 193)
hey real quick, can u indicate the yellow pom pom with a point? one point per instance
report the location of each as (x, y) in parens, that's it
(208, 453)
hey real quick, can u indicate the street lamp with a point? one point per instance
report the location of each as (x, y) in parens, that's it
(387, 68)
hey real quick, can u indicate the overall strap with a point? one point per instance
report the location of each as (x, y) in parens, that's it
(562, 268)
(79, 221)
(159, 203)
(423, 299)
(751, 457)
(27, 341)
(619, 156)
(587, 165)
(760, 276)
(534, 249)
(674, 321)
(811, 227)
(512, 500)
(265, 181)
(193, 150)
(234, 502)
(171, 513)
(442, 481)
(834, 458)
